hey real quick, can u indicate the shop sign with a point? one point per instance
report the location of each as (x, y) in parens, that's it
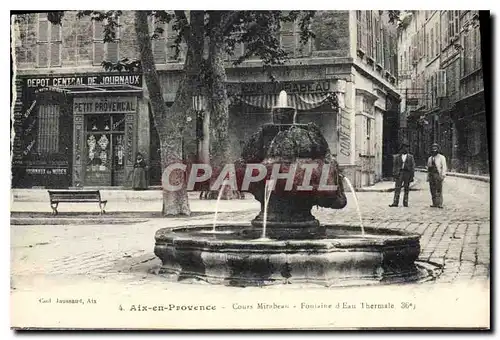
(105, 105)
(92, 80)
(45, 171)
(317, 86)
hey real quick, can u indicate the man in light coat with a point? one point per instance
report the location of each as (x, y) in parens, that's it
(436, 172)
(403, 172)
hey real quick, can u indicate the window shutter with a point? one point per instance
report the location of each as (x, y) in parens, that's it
(287, 37)
(171, 35)
(55, 45)
(441, 83)
(43, 41)
(98, 30)
(450, 25)
(43, 55)
(358, 30)
(158, 44)
(159, 52)
(112, 51)
(431, 43)
(55, 54)
(43, 30)
(98, 42)
(436, 40)
(98, 52)
(369, 22)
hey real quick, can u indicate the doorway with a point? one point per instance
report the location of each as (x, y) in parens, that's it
(104, 150)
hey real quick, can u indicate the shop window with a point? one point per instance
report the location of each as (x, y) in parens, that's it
(105, 142)
(105, 51)
(26, 38)
(48, 129)
(49, 42)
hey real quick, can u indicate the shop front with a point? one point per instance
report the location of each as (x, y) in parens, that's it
(316, 101)
(75, 131)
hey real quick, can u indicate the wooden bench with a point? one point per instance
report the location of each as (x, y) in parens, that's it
(75, 196)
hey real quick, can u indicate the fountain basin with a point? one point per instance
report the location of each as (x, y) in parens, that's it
(235, 256)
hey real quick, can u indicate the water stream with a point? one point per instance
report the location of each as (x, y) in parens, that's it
(219, 196)
(349, 184)
(267, 195)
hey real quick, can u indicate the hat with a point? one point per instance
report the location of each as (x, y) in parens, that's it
(435, 145)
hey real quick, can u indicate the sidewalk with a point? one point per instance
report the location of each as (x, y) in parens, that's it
(387, 186)
(461, 175)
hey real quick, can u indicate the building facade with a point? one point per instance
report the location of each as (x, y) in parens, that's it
(441, 87)
(78, 125)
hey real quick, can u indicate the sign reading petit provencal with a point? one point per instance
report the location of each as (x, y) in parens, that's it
(105, 105)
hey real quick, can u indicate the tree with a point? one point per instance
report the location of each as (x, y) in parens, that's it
(222, 30)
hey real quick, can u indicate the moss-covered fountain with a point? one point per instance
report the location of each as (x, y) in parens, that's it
(285, 243)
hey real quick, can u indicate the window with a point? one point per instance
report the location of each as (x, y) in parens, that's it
(78, 42)
(436, 40)
(369, 24)
(108, 51)
(287, 39)
(376, 38)
(427, 93)
(361, 30)
(472, 51)
(48, 129)
(26, 38)
(445, 41)
(431, 43)
(453, 23)
(427, 53)
(48, 42)
(171, 36)
(386, 48)
(159, 43)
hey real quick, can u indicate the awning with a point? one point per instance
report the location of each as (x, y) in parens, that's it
(302, 102)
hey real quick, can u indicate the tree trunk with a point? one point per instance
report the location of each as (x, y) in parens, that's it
(170, 123)
(218, 102)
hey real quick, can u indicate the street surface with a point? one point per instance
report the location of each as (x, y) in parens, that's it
(119, 257)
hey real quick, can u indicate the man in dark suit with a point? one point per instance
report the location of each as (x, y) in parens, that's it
(403, 172)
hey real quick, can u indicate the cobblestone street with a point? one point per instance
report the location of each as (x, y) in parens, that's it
(456, 237)
(115, 262)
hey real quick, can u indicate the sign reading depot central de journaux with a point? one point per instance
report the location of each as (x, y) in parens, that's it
(75, 80)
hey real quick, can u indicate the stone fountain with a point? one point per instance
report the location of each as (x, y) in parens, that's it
(296, 247)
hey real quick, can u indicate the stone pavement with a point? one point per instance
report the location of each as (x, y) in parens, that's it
(456, 237)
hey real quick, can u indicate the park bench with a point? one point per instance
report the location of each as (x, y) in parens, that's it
(75, 196)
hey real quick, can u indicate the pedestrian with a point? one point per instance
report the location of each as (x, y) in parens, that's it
(403, 172)
(436, 172)
(139, 174)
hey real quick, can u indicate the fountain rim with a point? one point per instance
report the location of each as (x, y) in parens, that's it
(395, 238)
